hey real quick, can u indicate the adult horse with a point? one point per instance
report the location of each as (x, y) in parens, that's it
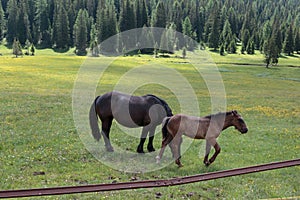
(146, 111)
(208, 128)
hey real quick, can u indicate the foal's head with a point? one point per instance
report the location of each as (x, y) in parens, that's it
(238, 122)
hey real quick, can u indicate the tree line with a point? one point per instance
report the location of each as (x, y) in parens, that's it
(269, 26)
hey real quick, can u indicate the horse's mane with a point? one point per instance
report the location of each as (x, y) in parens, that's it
(163, 103)
(217, 115)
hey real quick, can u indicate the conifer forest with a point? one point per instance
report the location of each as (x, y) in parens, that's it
(273, 27)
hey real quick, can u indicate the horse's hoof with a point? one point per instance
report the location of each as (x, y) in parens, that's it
(109, 149)
(151, 149)
(157, 159)
(140, 151)
(207, 164)
(180, 165)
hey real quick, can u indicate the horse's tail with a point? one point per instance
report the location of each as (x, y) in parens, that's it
(94, 121)
(164, 126)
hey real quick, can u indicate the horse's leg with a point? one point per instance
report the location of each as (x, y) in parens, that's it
(213, 142)
(175, 147)
(140, 148)
(207, 150)
(106, 124)
(217, 151)
(151, 137)
(164, 144)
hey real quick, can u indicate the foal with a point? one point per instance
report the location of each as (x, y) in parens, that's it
(208, 128)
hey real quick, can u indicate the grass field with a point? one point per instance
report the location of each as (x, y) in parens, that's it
(40, 146)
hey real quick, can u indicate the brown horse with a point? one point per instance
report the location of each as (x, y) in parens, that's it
(146, 111)
(208, 128)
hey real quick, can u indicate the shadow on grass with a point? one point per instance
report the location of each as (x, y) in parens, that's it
(61, 50)
(285, 56)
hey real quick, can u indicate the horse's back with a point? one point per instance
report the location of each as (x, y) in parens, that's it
(130, 111)
(191, 126)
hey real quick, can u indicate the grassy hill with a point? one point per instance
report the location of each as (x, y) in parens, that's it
(38, 132)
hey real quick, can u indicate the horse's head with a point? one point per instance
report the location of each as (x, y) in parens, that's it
(238, 122)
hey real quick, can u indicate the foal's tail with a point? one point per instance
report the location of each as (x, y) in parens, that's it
(164, 126)
(94, 121)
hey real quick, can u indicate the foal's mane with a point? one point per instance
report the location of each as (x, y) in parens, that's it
(163, 103)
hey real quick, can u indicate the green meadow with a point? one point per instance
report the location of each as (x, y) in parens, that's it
(40, 146)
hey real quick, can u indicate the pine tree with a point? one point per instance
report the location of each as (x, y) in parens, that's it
(184, 53)
(232, 46)
(72, 18)
(250, 47)
(32, 50)
(17, 48)
(232, 18)
(91, 6)
(267, 31)
(226, 35)
(193, 14)
(127, 19)
(106, 23)
(2, 22)
(79, 4)
(12, 20)
(276, 34)
(159, 17)
(201, 24)
(100, 23)
(94, 48)
(245, 39)
(187, 27)
(171, 37)
(141, 13)
(112, 19)
(93, 34)
(146, 40)
(222, 50)
(297, 42)
(164, 46)
(288, 46)
(270, 51)
(176, 17)
(42, 24)
(155, 51)
(80, 32)
(61, 35)
(214, 35)
(27, 47)
(223, 16)
(267, 53)
(23, 23)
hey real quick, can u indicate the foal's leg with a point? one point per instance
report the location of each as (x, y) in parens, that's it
(151, 137)
(175, 148)
(207, 150)
(217, 147)
(106, 124)
(217, 151)
(140, 148)
(164, 144)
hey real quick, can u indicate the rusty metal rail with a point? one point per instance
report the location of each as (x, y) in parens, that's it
(148, 183)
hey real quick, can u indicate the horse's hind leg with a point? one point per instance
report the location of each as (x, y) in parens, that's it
(175, 148)
(151, 137)
(106, 124)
